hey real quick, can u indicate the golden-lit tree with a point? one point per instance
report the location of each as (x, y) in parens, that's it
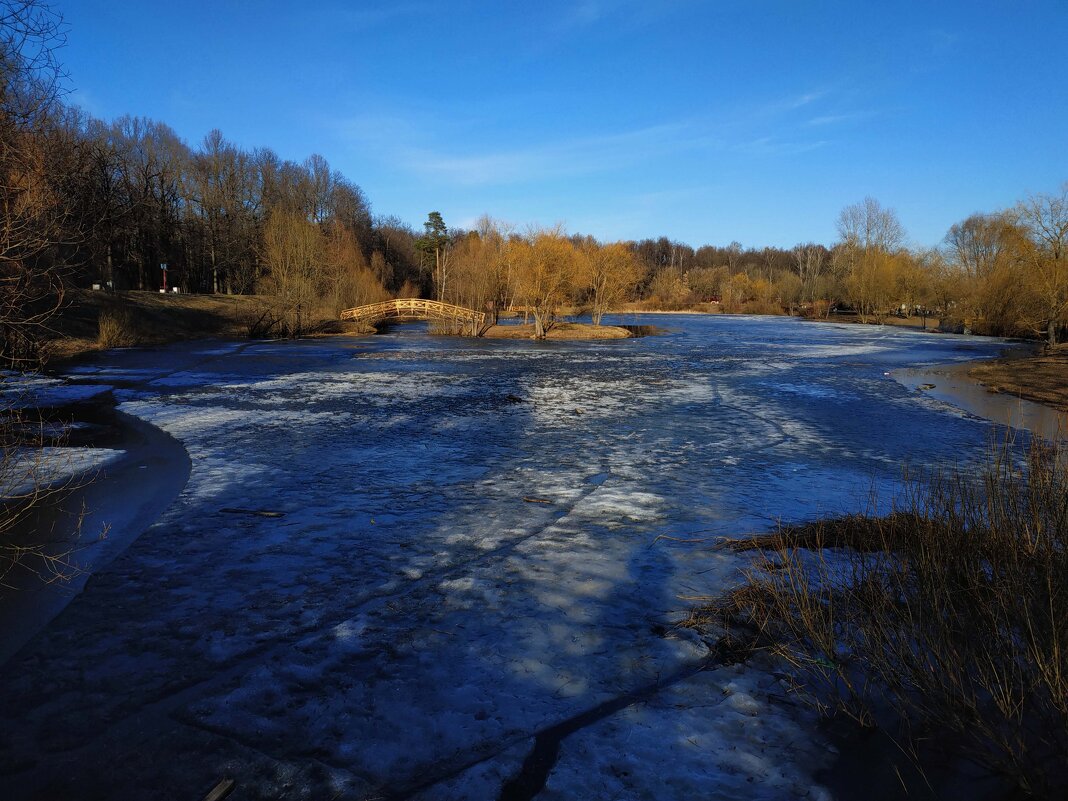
(668, 287)
(544, 269)
(870, 284)
(608, 273)
(292, 251)
(346, 279)
(871, 235)
(480, 271)
(911, 282)
(1042, 252)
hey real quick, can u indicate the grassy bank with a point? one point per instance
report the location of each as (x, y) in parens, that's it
(94, 321)
(944, 624)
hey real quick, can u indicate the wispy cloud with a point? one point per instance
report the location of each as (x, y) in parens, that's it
(407, 144)
(772, 146)
(87, 101)
(805, 99)
(580, 15)
(566, 157)
(824, 120)
(435, 148)
(370, 16)
(618, 15)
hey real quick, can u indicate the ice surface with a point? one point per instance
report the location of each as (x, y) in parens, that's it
(37, 468)
(467, 556)
(27, 391)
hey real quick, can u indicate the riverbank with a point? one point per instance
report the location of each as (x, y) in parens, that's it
(961, 385)
(94, 321)
(146, 318)
(1040, 377)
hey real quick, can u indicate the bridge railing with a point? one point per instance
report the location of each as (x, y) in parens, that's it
(414, 308)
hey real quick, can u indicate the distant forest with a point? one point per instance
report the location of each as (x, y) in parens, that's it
(88, 201)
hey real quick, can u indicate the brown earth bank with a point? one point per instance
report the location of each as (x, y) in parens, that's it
(559, 331)
(1041, 377)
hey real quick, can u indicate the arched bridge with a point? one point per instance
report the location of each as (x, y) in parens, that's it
(415, 309)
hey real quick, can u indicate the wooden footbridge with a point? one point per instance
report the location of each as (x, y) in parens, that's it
(415, 309)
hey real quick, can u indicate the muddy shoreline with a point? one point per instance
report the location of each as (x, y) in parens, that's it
(957, 385)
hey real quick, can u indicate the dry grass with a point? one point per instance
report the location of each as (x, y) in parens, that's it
(88, 323)
(117, 329)
(949, 616)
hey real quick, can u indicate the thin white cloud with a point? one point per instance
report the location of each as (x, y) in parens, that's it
(414, 144)
(805, 99)
(582, 14)
(770, 146)
(86, 101)
(576, 156)
(365, 18)
(838, 119)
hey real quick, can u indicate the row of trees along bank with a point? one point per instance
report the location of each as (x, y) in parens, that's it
(90, 201)
(1004, 273)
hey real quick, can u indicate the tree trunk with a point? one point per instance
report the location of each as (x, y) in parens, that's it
(214, 270)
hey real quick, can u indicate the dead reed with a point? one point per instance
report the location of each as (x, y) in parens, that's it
(949, 616)
(118, 328)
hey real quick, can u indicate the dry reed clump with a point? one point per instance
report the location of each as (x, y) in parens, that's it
(949, 616)
(117, 329)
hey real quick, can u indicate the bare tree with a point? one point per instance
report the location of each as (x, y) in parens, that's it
(867, 225)
(810, 260)
(870, 236)
(33, 214)
(1043, 252)
(978, 244)
(292, 250)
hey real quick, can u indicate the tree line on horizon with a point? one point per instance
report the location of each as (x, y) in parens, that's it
(88, 201)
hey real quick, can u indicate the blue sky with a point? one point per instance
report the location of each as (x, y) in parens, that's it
(707, 122)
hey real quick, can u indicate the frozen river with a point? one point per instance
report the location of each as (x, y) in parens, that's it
(465, 558)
